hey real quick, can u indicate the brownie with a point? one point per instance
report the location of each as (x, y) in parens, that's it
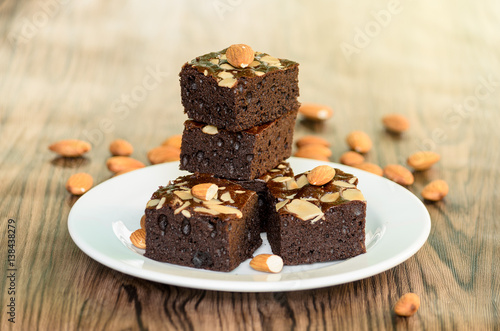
(243, 155)
(217, 234)
(316, 223)
(259, 185)
(236, 99)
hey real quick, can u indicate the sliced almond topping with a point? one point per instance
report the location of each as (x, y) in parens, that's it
(274, 170)
(212, 202)
(281, 179)
(353, 194)
(162, 201)
(303, 209)
(260, 73)
(226, 197)
(205, 72)
(353, 180)
(186, 213)
(330, 197)
(205, 191)
(266, 178)
(181, 208)
(227, 82)
(291, 184)
(152, 203)
(214, 61)
(280, 204)
(205, 210)
(254, 64)
(180, 184)
(184, 195)
(239, 191)
(343, 184)
(302, 181)
(291, 196)
(227, 210)
(281, 166)
(270, 60)
(225, 74)
(227, 66)
(210, 129)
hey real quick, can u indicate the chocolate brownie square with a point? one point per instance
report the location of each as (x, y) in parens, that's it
(210, 232)
(235, 99)
(314, 223)
(243, 155)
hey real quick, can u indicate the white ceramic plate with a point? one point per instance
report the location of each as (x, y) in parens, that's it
(101, 221)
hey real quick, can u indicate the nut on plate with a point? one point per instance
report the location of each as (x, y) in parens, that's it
(70, 147)
(240, 55)
(79, 183)
(267, 263)
(320, 175)
(407, 305)
(315, 111)
(138, 238)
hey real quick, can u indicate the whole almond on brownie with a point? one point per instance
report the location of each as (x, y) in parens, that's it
(240, 55)
(321, 175)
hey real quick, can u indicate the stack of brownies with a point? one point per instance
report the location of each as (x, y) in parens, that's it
(242, 107)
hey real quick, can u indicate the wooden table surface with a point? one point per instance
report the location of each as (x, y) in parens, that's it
(101, 70)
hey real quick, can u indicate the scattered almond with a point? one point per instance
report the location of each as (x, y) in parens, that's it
(267, 263)
(314, 149)
(143, 222)
(174, 141)
(204, 191)
(310, 154)
(321, 175)
(423, 160)
(163, 154)
(399, 174)
(351, 158)
(121, 163)
(240, 55)
(359, 141)
(370, 167)
(316, 111)
(311, 140)
(121, 147)
(407, 305)
(124, 171)
(396, 123)
(79, 183)
(70, 147)
(435, 190)
(138, 238)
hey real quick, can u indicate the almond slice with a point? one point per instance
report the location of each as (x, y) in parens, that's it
(223, 209)
(304, 210)
(330, 197)
(267, 263)
(353, 194)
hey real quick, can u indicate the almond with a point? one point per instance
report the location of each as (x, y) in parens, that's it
(315, 111)
(138, 238)
(396, 123)
(311, 140)
(163, 154)
(370, 167)
(435, 190)
(359, 141)
(121, 163)
(321, 175)
(407, 305)
(204, 191)
(70, 147)
(79, 183)
(317, 152)
(174, 141)
(143, 222)
(240, 55)
(399, 174)
(121, 147)
(423, 160)
(351, 158)
(267, 263)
